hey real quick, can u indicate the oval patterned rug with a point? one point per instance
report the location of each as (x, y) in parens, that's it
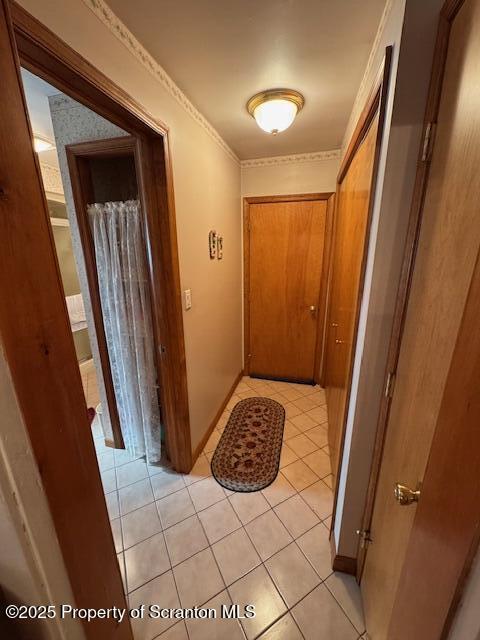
(248, 453)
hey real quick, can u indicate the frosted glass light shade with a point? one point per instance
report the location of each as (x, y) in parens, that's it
(275, 115)
(42, 144)
(275, 110)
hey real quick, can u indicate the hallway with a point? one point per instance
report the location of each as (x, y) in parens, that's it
(182, 540)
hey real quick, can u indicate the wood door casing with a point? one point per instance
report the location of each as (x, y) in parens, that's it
(286, 246)
(448, 246)
(352, 216)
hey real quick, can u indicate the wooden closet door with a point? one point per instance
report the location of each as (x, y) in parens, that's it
(285, 263)
(444, 273)
(353, 204)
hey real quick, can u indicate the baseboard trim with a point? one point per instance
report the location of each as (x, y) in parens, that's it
(218, 415)
(344, 564)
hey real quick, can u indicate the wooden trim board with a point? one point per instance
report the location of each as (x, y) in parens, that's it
(376, 103)
(344, 564)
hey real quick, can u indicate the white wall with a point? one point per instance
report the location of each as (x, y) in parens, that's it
(413, 43)
(31, 565)
(309, 173)
(207, 195)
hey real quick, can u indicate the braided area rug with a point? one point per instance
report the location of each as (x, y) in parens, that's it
(248, 453)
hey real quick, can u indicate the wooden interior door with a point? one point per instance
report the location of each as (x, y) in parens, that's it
(352, 216)
(285, 263)
(448, 248)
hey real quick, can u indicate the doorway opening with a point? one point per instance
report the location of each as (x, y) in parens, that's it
(46, 371)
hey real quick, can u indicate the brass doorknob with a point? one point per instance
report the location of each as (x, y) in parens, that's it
(340, 341)
(404, 495)
(313, 309)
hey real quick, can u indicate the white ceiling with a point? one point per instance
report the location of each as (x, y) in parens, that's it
(221, 52)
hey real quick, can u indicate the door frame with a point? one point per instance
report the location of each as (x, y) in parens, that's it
(35, 331)
(446, 16)
(322, 303)
(76, 155)
(375, 103)
(44, 54)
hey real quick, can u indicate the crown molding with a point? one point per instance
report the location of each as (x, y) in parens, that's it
(52, 180)
(126, 37)
(360, 97)
(292, 159)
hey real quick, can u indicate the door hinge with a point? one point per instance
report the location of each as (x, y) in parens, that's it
(428, 141)
(365, 539)
(390, 384)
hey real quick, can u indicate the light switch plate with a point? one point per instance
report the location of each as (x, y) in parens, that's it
(188, 299)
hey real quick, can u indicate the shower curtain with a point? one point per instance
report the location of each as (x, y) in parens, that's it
(126, 310)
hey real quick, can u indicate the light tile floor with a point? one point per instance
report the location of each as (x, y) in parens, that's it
(183, 540)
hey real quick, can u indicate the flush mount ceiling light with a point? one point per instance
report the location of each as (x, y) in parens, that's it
(41, 143)
(275, 110)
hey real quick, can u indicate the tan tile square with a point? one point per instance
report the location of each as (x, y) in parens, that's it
(268, 534)
(319, 463)
(258, 589)
(113, 508)
(315, 544)
(212, 441)
(320, 617)
(328, 523)
(131, 472)
(302, 446)
(105, 461)
(328, 480)
(177, 632)
(116, 527)
(292, 574)
(249, 505)
(235, 555)
(165, 483)
(135, 496)
(161, 590)
(121, 564)
(319, 435)
(198, 579)
(299, 475)
(216, 628)
(279, 490)
(185, 539)
(292, 394)
(296, 515)
(175, 508)
(146, 560)
(232, 402)
(319, 414)
(200, 470)
(346, 592)
(304, 422)
(285, 629)
(305, 404)
(205, 493)
(219, 520)
(290, 430)
(140, 525)
(287, 456)
(291, 410)
(319, 498)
